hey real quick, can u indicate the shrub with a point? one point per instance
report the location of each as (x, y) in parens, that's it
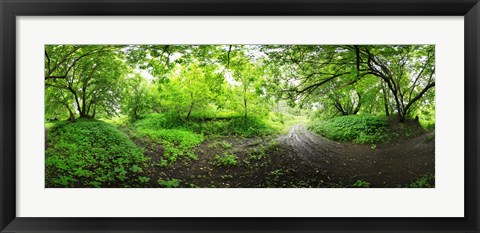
(358, 129)
(365, 129)
(156, 121)
(223, 125)
(91, 154)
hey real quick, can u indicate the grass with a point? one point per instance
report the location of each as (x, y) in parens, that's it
(91, 154)
(364, 129)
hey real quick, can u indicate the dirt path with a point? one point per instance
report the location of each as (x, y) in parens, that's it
(343, 162)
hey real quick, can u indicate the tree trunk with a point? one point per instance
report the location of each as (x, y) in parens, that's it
(84, 104)
(355, 111)
(94, 111)
(245, 105)
(385, 100)
(189, 111)
(71, 118)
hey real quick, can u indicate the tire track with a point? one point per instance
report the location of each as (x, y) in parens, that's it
(399, 162)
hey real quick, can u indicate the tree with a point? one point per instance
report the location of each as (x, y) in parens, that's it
(87, 79)
(248, 75)
(407, 72)
(187, 90)
(137, 99)
(312, 72)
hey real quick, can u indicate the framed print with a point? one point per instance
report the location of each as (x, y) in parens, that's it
(267, 116)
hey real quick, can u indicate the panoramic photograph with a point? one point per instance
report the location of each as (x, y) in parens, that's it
(239, 116)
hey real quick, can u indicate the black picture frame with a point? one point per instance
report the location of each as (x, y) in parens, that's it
(10, 9)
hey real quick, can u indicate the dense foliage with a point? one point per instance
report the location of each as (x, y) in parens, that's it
(364, 129)
(92, 154)
(83, 81)
(108, 106)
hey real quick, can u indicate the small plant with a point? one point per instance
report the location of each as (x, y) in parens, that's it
(257, 154)
(277, 173)
(361, 184)
(226, 176)
(175, 142)
(172, 183)
(425, 181)
(143, 179)
(373, 146)
(226, 160)
(225, 144)
(136, 168)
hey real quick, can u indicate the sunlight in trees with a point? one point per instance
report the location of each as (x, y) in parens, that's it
(177, 100)
(85, 80)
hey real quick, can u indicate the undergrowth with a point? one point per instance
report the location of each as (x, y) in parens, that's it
(364, 129)
(226, 160)
(91, 154)
(425, 181)
(175, 142)
(222, 126)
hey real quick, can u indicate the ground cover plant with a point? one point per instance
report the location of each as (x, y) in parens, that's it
(218, 116)
(365, 129)
(92, 154)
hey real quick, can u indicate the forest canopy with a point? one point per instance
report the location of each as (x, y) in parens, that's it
(239, 115)
(94, 81)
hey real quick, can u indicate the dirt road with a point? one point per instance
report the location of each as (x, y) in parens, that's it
(386, 164)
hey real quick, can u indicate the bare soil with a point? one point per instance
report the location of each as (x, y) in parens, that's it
(384, 165)
(298, 159)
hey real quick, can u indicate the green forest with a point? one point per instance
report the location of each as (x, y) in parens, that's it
(239, 116)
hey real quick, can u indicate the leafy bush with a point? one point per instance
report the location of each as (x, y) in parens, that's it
(234, 125)
(366, 129)
(157, 121)
(91, 154)
(250, 127)
(358, 129)
(223, 125)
